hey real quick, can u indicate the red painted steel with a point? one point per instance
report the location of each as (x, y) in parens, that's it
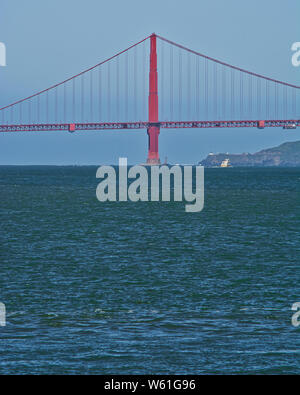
(279, 123)
(153, 129)
(152, 125)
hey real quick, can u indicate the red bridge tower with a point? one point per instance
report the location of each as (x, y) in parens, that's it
(153, 130)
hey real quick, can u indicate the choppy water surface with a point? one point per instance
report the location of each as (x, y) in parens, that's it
(120, 288)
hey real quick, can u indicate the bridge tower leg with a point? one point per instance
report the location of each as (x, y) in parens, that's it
(153, 130)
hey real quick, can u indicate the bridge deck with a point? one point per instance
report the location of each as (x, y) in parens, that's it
(145, 125)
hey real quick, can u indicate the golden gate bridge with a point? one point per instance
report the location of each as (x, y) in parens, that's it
(173, 87)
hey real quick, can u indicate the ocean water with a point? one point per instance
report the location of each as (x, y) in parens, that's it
(146, 288)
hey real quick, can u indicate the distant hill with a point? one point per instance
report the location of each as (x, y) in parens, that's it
(285, 155)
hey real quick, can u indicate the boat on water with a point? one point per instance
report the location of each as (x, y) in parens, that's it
(225, 163)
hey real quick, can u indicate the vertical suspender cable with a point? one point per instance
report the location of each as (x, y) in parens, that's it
(171, 83)
(126, 86)
(294, 104)
(276, 101)
(99, 95)
(258, 98)
(197, 89)
(73, 99)
(38, 109)
(47, 106)
(56, 116)
(117, 89)
(135, 74)
(241, 95)
(91, 96)
(180, 84)
(216, 109)
(206, 89)
(108, 92)
(189, 87)
(267, 100)
(144, 79)
(162, 79)
(224, 92)
(65, 103)
(250, 96)
(232, 95)
(82, 98)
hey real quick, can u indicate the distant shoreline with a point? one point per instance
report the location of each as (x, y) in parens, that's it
(284, 155)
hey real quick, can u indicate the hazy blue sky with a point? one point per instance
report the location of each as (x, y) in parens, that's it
(50, 40)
